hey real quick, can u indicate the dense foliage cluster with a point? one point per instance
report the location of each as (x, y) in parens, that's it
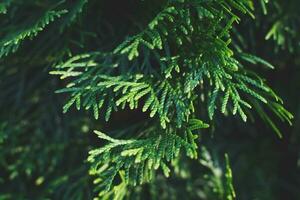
(153, 79)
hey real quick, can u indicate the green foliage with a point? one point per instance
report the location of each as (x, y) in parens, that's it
(111, 92)
(230, 193)
(139, 159)
(12, 40)
(169, 67)
(284, 29)
(103, 80)
(218, 180)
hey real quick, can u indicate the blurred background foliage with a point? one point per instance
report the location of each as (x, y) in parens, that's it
(43, 152)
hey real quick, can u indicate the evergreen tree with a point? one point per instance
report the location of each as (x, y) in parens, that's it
(134, 99)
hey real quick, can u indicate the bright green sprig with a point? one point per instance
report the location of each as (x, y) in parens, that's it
(139, 159)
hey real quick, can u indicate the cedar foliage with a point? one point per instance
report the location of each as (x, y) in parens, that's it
(151, 78)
